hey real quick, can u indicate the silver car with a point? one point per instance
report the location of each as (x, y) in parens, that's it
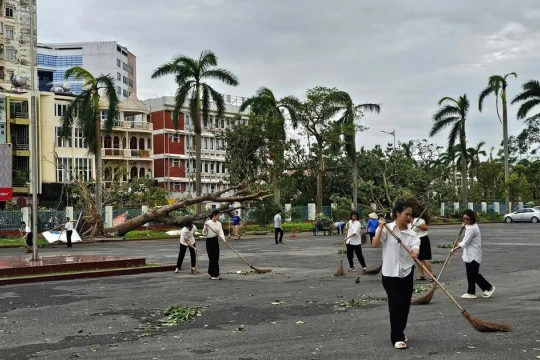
(527, 214)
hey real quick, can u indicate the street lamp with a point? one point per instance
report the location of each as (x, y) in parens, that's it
(393, 133)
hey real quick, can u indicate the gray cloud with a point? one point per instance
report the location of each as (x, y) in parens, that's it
(405, 54)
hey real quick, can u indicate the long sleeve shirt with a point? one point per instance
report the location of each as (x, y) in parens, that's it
(354, 231)
(416, 227)
(213, 229)
(471, 244)
(188, 234)
(396, 261)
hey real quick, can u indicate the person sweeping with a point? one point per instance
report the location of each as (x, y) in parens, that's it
(187, 241)
(213, 231)
(472, 256)
(398, 269)
(354, 242)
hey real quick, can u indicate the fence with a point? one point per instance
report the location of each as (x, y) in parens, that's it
(495, 207)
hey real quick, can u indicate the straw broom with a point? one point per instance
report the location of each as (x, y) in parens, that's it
(477, 324)
(429, 295)
(340, 271)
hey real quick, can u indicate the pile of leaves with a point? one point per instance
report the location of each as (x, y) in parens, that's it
(177, 314)
(419, 289)
(446, 246)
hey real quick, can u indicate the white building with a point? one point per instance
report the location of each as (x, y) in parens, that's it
(106, 57)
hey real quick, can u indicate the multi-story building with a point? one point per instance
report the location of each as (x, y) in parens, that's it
(126, 151)
(15, 46)
(174, 150)
(106, 57)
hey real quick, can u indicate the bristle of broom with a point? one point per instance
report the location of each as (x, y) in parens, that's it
(426, 299)
(261, 271)
(374, 271)
(340, 271)
(486, 326)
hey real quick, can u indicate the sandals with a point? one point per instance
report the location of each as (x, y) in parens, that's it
(400, 345)
(421, 278)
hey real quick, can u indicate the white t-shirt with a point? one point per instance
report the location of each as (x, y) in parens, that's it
(396, 261)
(213, 229)
(27, 229)
(188, 234)
(355, 230)
(416, 227)
(69, 226)
(277, 221)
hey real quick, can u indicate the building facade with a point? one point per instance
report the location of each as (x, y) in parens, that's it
(15, 47)
(107, 57)
(174, 150)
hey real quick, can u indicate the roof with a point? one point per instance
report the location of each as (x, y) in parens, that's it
(132, 103)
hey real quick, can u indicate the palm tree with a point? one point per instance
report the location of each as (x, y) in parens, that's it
(454, 113)
(84, 113)
(350, 111)
(265, 104)
(191, 76)
(496, 84)
(530, 98)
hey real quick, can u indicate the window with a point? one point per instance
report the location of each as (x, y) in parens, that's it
(118, 76)
(62, 141)
(83, 168)
(205, 143)
(10, 74)
(125, 66)
(118, 62)
(104, 114)
(175, 138)
(130, 82)
(212, 167)
(80, 141)
(10, 54)
(177, 186)
(118, 90)
(223, 169)
(125, 80)
(60, 109)
(205, 167)
(130, 70)
(10, 11)
(1, 27)
(63, 169)
(176, 163)
(211, 144)
(10, 32)
(125, 92)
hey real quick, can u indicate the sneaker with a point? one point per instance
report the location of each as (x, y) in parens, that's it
(215, 278)
(468, 296)
(176, 271)
(400, 345)
(364, 268)
(406, 339)
(488, 293)
(352, 269)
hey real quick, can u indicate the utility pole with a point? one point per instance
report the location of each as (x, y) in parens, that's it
(34, 133)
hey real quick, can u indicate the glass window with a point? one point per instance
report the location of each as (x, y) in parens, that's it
(125, 80)
(104, 114)
(10, 32)
(10, 54)
(80, 141)
(125, 92)
(118, 90)
(1, 27)
(118, 62)
(130, 69)
(63, 169)
(10, 11)
(118, 76)
(124, 66)
(83, 168)
(130, 82)
(60, 141)
(60, 109)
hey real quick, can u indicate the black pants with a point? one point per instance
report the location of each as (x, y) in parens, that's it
(280, 232)
(399, 292)
(371, 236)
(29, 238)
(212, 249)
(182, 254)
(475, 278)
(68, 237)
(355, 249)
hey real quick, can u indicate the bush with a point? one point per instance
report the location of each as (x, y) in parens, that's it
(264, 213)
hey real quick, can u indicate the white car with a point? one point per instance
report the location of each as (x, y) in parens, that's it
(527, 214)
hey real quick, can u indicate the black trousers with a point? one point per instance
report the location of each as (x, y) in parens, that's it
(355, 249)
(182, 254)
(280, 232)
(475, 278)
(29, 238)
(212, 249)
(371, 236)
(399, 292)
(68, 237)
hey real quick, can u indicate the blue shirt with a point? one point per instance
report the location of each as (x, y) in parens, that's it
(236, 220)
(372, 225)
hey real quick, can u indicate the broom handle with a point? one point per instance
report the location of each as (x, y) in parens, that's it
(423, 267)
(450, 254)
(240, 256)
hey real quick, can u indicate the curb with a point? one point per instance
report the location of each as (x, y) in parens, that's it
(86, 275)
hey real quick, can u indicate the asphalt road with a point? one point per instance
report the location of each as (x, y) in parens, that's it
(117, 318)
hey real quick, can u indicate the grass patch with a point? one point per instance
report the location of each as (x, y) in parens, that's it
(75, 272)
(143, 234)
(446, 246)
(11, 242)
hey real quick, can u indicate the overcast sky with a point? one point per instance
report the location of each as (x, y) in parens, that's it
(403, 54)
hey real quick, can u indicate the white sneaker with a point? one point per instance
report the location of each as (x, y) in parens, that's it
(488, 293)
(352, 269)
(400, 345)
(468, 296)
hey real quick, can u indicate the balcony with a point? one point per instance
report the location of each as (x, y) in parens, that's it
(127, 125)
(134, 154)
(19, 118)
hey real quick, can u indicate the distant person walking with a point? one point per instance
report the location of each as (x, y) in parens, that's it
(472, 256)
(278, 228)
(237, 222)
(213, 230)
(372, 225)
(419, 226)
(353, 242)
(69, 232)
(28, 237)
(187, 241)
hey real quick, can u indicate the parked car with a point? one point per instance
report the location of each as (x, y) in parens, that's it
(527, 214)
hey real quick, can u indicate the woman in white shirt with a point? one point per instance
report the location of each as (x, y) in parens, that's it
(213, 230)
(354, 242)
(472, 256)
(187, 241)
(420, 227)
(398, 269)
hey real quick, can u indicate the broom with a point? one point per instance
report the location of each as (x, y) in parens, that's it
(477, 324)
(340, 271)
(426, 299)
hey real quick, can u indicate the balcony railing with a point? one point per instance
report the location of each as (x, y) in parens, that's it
(19, 115)
(22, 146)
(136, 125)
(127, 153)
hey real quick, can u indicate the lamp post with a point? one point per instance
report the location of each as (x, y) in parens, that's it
(393, 133)
(34, 133)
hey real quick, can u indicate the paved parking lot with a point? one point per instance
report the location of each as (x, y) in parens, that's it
(295, 312)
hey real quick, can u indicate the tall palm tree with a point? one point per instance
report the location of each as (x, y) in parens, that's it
(84, 113)
(350, 111)
(453, 113)
(190, 77)
(530, 97)
(496, 84)
(265, 104)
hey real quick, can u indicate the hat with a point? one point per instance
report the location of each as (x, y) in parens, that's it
(373, 216)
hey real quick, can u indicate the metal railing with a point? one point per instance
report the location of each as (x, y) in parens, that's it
(19, 115)
(10, 220)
